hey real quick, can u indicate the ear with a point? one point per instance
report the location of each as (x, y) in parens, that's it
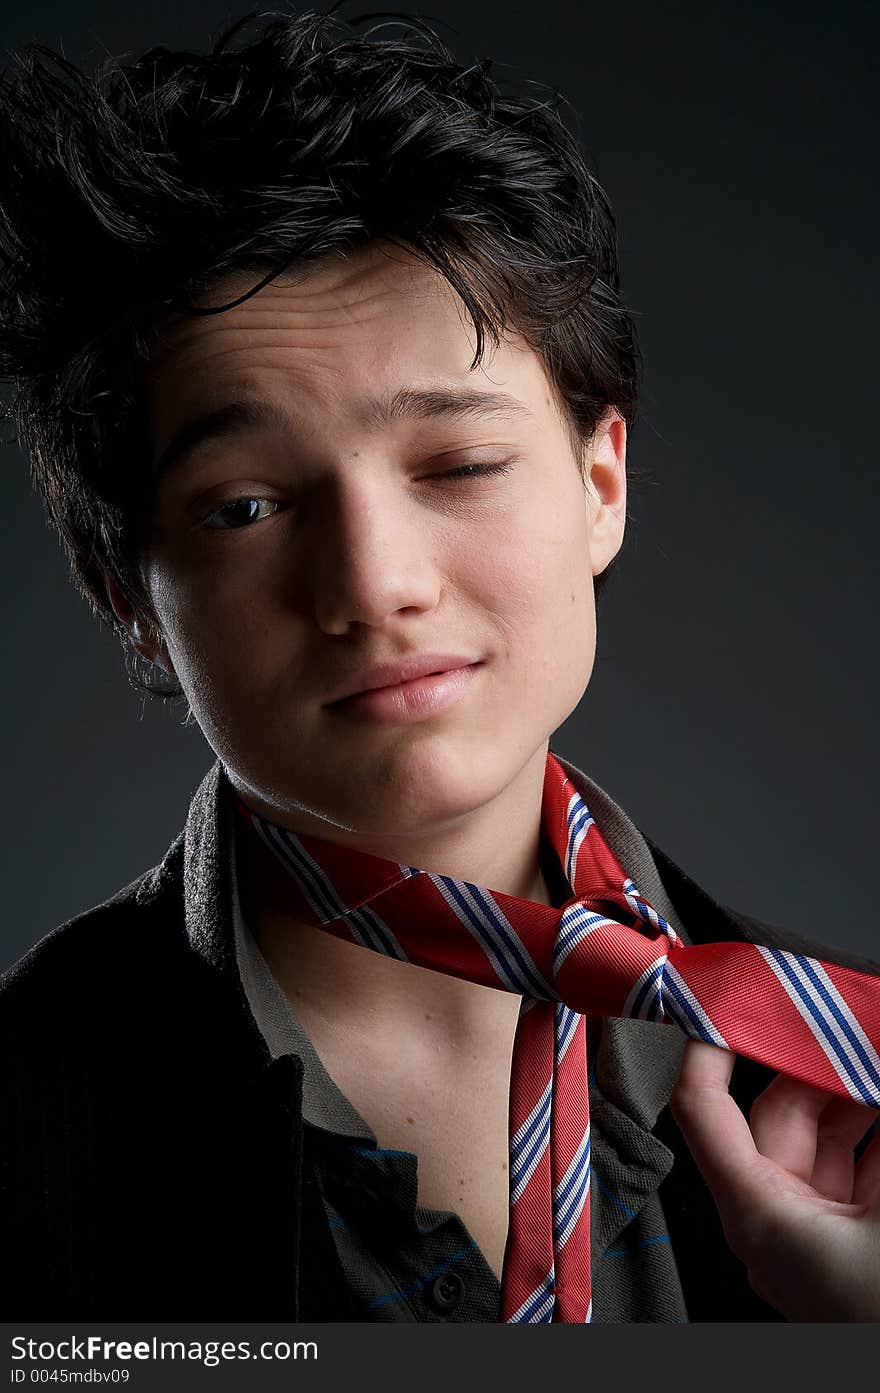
(144, 638)
(606, 489)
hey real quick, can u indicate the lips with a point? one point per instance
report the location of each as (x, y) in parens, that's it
(406, 703)
(405, 669)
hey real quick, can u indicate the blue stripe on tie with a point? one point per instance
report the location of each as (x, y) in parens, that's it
(517, 950)
(537, 1302)
(684, 1023)
(368, 918)
(643, 908)
(823, 1024)
(566, 1025)
(537, 987)
(641, 1243)
(578, 820)
(572, 1195)
(845, 1025)
(649, 985)
(578, 815)
(323, 894)
(520, 1162)
(541, 1104)
(654, 1009)
(561, 1198)
(541, 1108)
(311, 883)
(565, 1225)
(670, 988)
(574, 930)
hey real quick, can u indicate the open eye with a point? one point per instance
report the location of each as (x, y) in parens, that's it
(245, 515)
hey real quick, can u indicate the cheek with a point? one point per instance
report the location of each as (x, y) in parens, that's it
(539, 576)
(537, 586)
(209, 644)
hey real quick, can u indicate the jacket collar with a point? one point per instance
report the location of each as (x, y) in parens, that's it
(201, 857)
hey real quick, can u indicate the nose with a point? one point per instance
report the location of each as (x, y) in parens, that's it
(371, 555)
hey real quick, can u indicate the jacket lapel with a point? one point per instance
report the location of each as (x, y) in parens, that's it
(634, 1064)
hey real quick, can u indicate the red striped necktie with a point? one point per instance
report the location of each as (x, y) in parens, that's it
(605, 952)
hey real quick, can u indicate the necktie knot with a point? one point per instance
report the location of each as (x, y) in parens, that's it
(604, 967)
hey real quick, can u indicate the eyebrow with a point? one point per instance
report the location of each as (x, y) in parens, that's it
(407, 404)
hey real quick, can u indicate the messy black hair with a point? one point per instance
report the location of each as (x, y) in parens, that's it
(126, 194)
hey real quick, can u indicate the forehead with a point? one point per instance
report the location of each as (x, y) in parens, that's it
(344, 288)
(348, 334)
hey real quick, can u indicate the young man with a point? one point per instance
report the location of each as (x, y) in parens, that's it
(217, 1109)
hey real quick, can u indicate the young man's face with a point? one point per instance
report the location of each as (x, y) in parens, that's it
(367, 551)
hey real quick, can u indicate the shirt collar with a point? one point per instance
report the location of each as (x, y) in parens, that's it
(324, 1105)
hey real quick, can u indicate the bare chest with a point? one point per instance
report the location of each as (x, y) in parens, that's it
(453, 1114)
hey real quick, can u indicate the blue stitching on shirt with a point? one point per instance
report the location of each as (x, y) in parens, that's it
(631, 1247)
(633, 1213)
(378, 1151)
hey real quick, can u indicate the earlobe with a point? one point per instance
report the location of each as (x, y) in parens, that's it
(143, 637)
(119, 604)
(607, 490)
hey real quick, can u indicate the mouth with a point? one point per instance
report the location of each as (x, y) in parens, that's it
(415, 700)
(404, 682)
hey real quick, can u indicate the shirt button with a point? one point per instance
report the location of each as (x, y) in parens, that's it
(447, 1291)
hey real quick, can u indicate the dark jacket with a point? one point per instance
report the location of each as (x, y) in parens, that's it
(153, 1159)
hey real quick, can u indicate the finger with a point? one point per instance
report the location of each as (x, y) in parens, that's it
(810, 1133)
(842, 1124)
(784, 1119)
(716, 1132)
(846, 1119)
(866, 1184)
(834, 1172)
(704, 1066)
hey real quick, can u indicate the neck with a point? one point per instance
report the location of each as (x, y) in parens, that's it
(331, 978)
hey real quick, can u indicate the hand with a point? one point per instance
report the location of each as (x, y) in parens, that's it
(796, 1208)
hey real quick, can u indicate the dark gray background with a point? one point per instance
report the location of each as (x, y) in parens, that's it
(731, 707)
